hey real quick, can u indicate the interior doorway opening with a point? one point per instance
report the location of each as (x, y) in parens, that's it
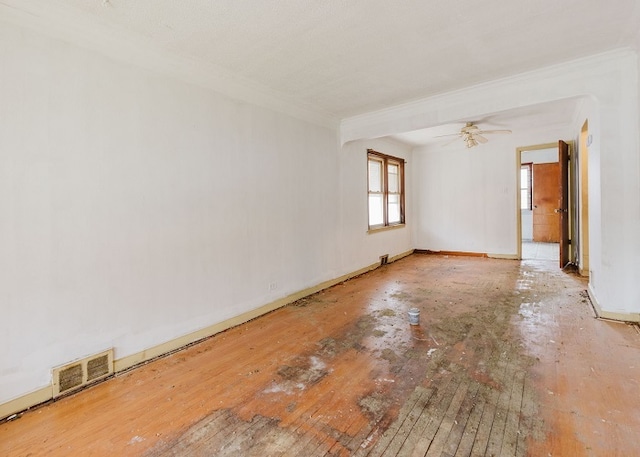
(548, 207)
(539, 179)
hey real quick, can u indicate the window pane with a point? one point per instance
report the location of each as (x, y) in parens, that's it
(524, 199)
(375, 176)
(394, 209)
(385, 176)
(524, 178)
(525, 187)
(375, 210)
(392, 176)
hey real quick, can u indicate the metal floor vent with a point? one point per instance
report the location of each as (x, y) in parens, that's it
(82, 372)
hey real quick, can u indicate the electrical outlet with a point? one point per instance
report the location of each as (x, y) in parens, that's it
(273, 285)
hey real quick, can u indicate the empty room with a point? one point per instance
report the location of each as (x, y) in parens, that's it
(319, 228)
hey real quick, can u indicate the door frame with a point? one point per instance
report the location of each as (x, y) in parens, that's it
(564, 154)
(582, 194)
(519, 151)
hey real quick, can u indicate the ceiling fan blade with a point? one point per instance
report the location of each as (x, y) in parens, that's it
(491, 132)
(480, 138)
(448, 134)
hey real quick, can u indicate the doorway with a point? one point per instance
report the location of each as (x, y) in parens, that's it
(539, 196)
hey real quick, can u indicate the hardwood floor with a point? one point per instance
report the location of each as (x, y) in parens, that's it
(508, 360)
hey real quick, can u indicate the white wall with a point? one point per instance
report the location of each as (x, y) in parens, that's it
(466, 199)
(614, 192)
(362, 247)
(537, 156)
(137, 208)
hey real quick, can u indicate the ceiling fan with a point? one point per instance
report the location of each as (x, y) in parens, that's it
(472, 135)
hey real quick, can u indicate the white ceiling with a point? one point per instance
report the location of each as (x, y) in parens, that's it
(534, 118)
(350, 57)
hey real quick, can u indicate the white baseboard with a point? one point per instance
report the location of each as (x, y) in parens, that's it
(26, 401)
(504, 256)
(611, 315)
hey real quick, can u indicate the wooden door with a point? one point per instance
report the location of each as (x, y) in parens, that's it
(563, 204)
(546, 198)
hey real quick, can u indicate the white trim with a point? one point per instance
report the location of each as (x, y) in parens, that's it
(504, 256)
(26, 401)
(610, 315)
(573, 78)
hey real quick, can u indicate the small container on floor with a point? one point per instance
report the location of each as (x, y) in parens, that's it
(414, 316)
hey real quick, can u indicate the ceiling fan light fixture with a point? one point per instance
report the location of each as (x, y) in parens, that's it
(472, 135)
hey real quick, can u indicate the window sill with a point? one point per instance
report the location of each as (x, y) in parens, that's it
(385, 228)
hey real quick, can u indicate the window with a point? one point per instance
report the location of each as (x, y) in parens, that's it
(525, 186)
(386, 190)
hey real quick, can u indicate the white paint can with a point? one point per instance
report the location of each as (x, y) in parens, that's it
(414, 316)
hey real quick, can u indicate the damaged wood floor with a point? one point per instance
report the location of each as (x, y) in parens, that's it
(508, 360)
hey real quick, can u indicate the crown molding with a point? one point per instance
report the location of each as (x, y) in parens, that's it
(576, 78)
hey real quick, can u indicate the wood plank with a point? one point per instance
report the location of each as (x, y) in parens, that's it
(423, 430)
(336, 417)
(199, 439)
(501, 411)
(305, 432)
(239, 442)
(488, 413)
(527, 413)
(411, 410)
(271, 441)
(472, 425)
(512, 426)
(450, 447)
(436, 447)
